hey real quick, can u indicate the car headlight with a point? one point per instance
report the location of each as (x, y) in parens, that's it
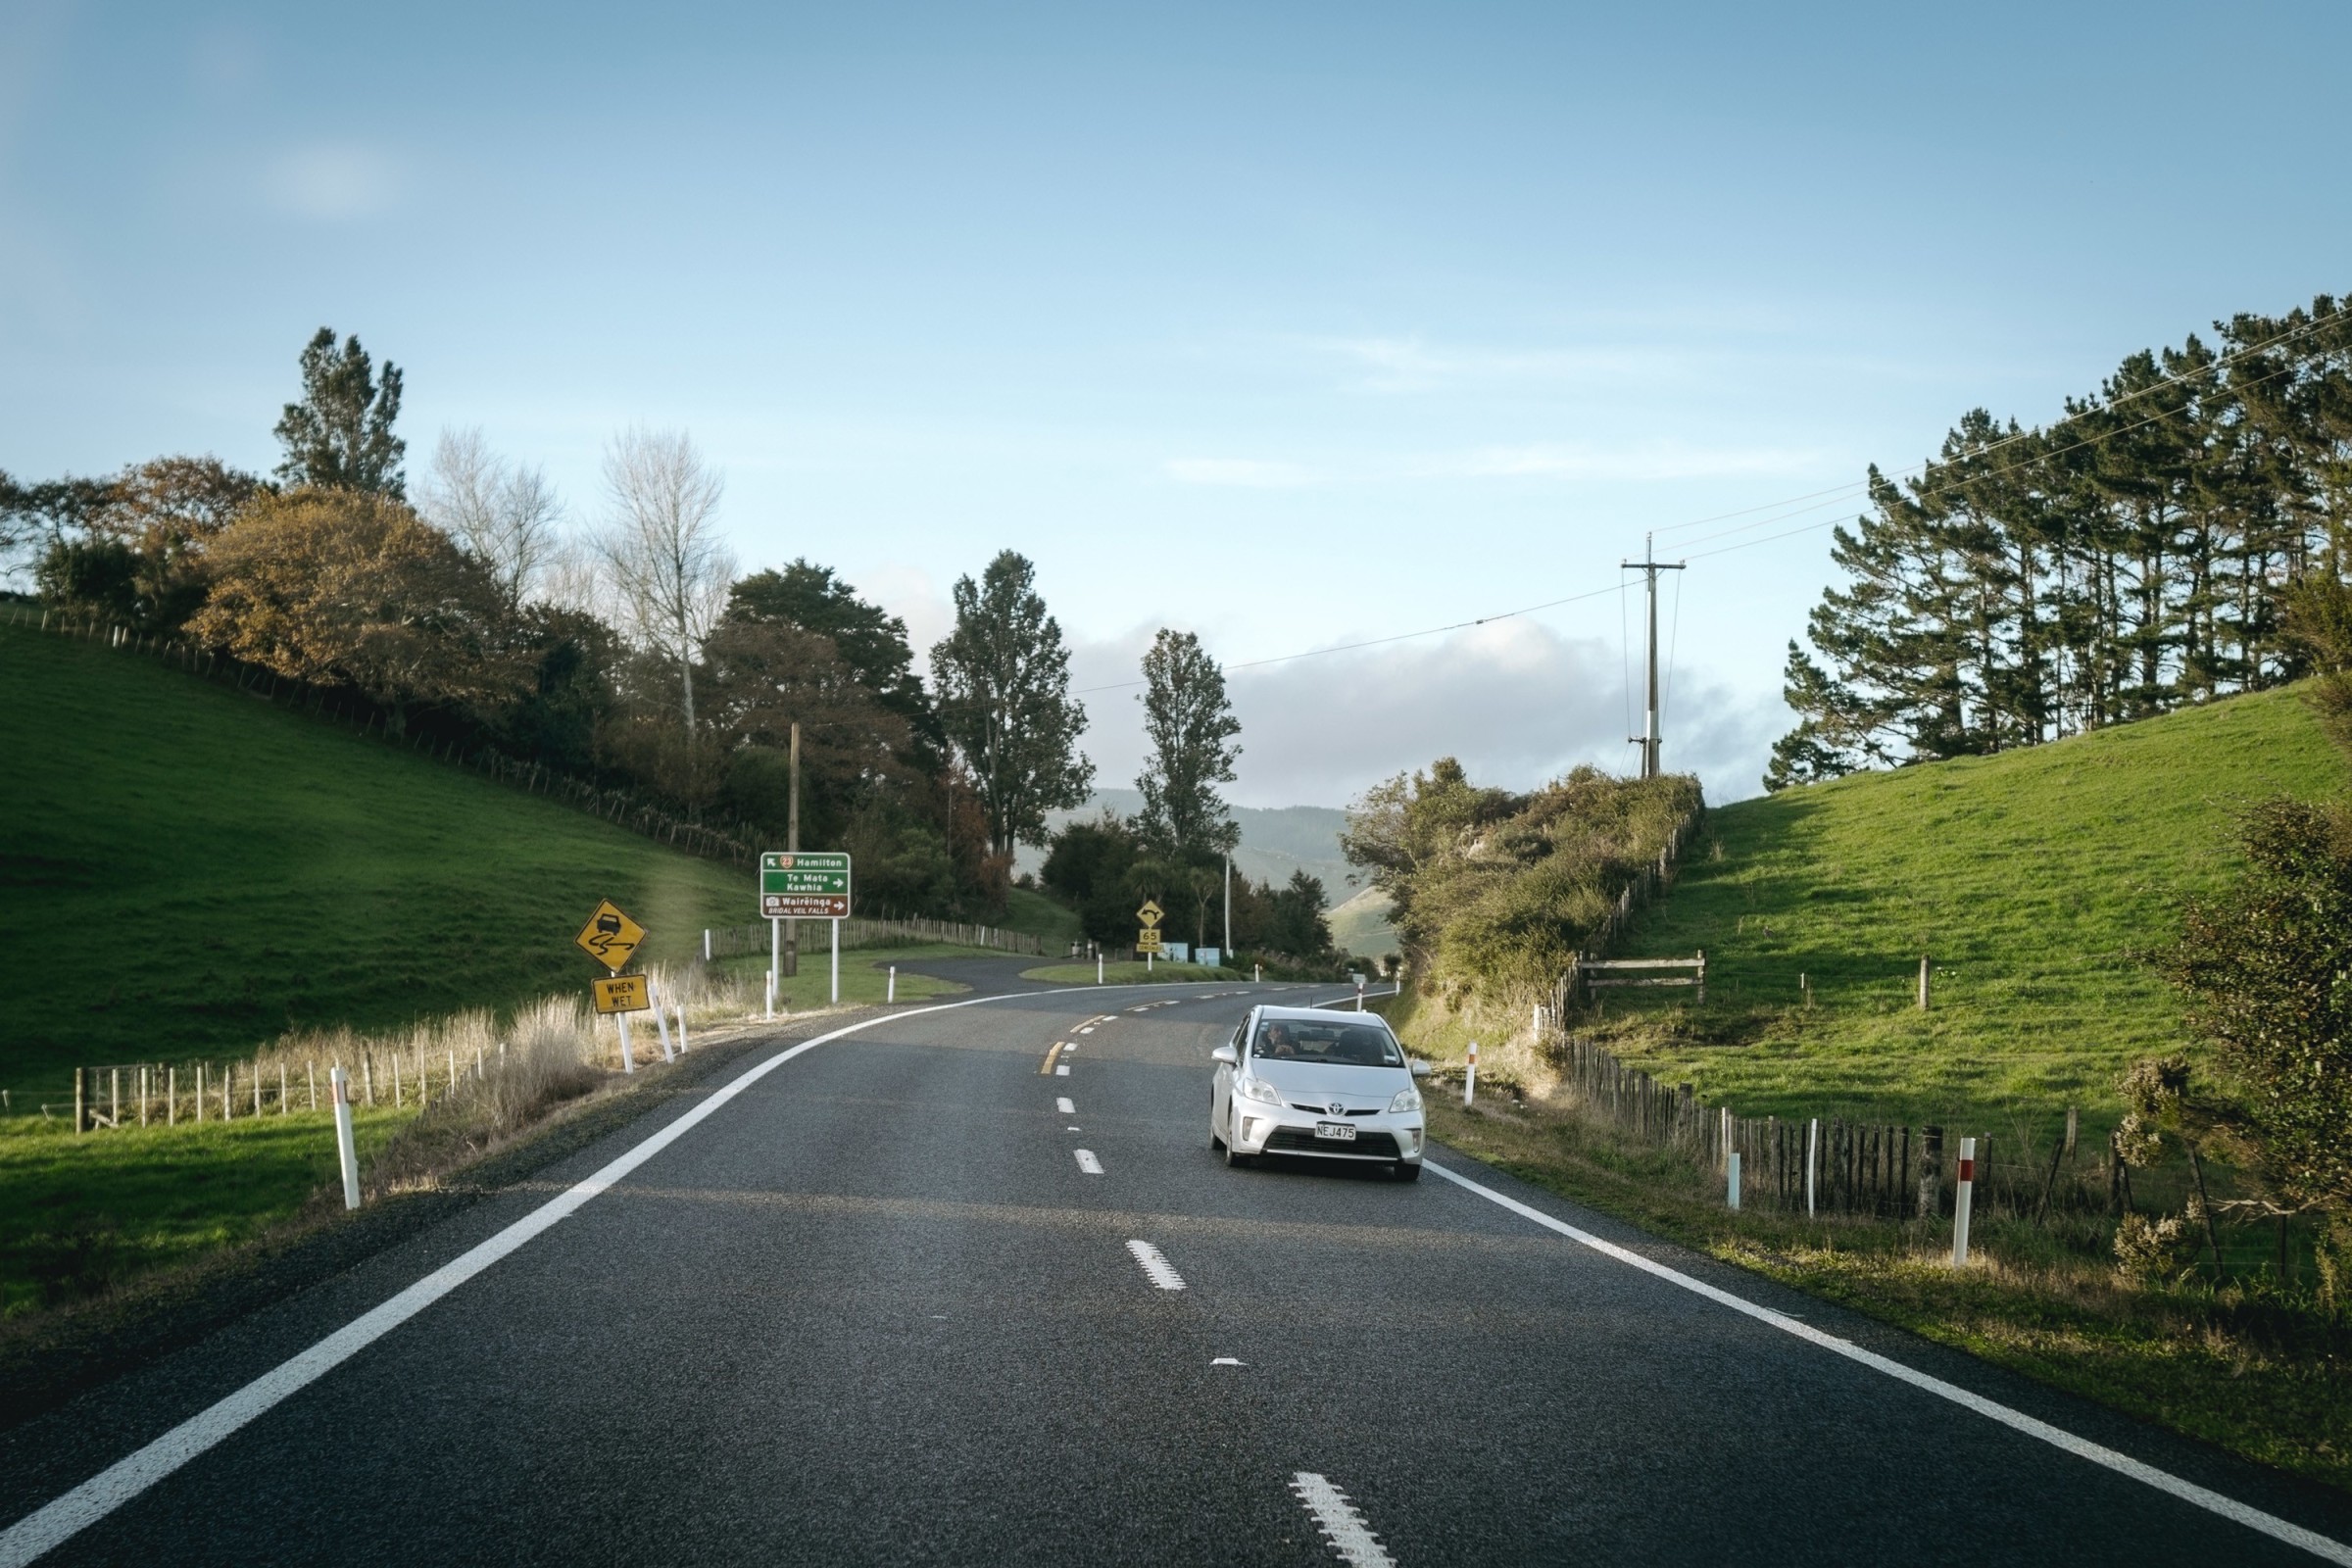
(1250, 1088)
(1407, 1098)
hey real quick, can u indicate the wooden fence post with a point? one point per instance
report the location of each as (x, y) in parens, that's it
(82, 1100)
(1923, 982)
(1931, 1171)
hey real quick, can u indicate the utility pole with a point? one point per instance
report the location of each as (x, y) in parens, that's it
(792, 846)
(1650, 567)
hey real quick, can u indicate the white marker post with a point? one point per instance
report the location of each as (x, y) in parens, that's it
(1812, 1149)
(1961, 1199)
(1731, 1195)
(1360, 992)
(1257, 972)
(653, 994)
(1098, 969)
(892, 994)
(1470, 1075)
(680, 1009)
(344, 1148)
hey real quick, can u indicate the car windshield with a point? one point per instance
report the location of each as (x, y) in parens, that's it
(1337, 1045)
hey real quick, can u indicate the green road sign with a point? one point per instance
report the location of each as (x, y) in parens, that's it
(799, 886)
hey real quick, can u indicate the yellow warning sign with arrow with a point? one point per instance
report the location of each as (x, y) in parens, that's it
(611, 937)
(1150, 912)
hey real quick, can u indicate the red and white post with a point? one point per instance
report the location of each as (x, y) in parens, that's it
(1961, 1200)
(344, 1148)
(1470, 1075)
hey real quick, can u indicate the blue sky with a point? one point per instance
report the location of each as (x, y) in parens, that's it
(1294, 325)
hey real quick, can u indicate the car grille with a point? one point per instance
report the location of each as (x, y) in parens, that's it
(1324, 1109)
(1303, 1140)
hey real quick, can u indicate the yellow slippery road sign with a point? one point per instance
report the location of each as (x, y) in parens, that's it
(611, 937)
(1150, 912)
(623, 993)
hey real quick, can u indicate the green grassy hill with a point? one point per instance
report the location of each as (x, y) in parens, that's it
(2029, 879)
(187, 871)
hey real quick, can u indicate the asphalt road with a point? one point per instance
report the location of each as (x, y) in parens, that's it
(875, 1308)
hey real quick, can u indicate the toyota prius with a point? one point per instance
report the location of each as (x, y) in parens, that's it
(1317, 1083)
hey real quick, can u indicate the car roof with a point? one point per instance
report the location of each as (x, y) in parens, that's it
(1320, 1015)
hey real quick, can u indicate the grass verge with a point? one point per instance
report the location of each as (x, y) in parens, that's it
(865, 974)
(2246, 1368)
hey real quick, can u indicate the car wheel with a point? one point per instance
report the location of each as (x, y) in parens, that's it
(1408, 1170)
(1238, 1161)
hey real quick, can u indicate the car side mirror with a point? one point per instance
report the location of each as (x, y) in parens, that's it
(1420, 1068)
(1226, 1054)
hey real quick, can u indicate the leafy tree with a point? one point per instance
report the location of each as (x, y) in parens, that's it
(339, 436)
(1189, 725)
(1087, 869)
(341, 585)
(96, 577)
(1295, 925)
(869, 639)
(1004, 680)
(2268, 968)
(763, 677)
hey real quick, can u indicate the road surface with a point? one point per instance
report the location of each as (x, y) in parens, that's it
(917, 1295)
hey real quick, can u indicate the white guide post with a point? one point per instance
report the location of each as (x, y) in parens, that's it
(344, 1148)
(706, 944)
(680, 1009)
(1961, 1200)
(1812, 1153)
(653, 994)
(1470, 1075)
(836, 925)
(892, 994)
(1731, 1195)
(1098, 969)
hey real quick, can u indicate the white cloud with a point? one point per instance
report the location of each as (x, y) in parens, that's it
(334, 181)
(1516, 701)
(1245, 473)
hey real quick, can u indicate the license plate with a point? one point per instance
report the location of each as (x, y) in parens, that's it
(1344, 1131)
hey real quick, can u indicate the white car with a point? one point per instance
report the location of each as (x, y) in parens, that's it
(1319, 1083)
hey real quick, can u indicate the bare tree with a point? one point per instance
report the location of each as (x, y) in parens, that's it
(504, 513)
(670, 569)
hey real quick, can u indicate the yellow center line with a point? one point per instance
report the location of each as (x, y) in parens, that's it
(1054, 1053)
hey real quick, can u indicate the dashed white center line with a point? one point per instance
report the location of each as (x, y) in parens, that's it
(1087, 1161)
(1351, 1540)
(1156, 1267)
(1064, 1107)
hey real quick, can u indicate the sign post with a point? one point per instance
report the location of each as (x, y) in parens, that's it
(613, 939)
(797, 885)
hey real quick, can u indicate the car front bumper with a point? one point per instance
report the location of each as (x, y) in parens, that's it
(1259, 1128)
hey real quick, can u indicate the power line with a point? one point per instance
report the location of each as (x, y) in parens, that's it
(1781, 515)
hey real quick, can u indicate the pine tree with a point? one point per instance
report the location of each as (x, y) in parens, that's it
(1191, 728)
(1004, 682)
(340, 435)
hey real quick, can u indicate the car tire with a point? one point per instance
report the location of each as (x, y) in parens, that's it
(1238, 1161)
(1408, 1170)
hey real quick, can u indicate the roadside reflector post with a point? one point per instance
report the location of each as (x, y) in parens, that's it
(1812, 1157)
(1257, 972)
(892, 994)
(1961, 1198)
(1470, 1075)
(345, 1150)
(706, 944)
(1097, 967)
(1731, 1193)
(661, 1022)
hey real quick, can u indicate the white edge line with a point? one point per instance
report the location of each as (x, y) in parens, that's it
(2188, 1492)
(65, 1516)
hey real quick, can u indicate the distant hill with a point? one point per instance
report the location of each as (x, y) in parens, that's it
(1275, 842)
